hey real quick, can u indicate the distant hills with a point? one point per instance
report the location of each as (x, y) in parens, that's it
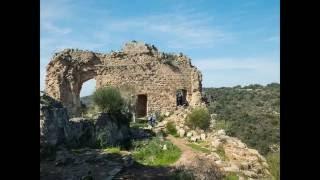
(251, 113)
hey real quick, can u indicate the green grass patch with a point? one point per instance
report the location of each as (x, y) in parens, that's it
(112, 150)
(171, 128)
(220, 151)
(138, 125)
(273, 160)
(150, 152)
(198, 148)
(231, 176)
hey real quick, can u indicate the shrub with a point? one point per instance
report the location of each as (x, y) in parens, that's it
(199, 117)
(171, 128)
(108, 99)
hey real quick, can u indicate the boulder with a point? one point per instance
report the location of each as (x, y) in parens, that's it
(250, 174)
(194, 138)
(232, 168)
(181, 132)
(164, 147)
(220, 132)
(54, 124)
(203, 136)
(189, 134)
(216, 143)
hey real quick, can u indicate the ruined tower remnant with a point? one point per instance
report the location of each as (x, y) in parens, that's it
(155, 76)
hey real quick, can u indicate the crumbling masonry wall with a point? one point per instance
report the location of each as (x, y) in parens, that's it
(141, 66)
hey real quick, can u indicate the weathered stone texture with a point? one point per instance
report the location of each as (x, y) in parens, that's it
(155, 74)
(57, 129)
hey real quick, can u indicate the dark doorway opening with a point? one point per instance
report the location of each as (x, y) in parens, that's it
(141, 105)
(181, 97)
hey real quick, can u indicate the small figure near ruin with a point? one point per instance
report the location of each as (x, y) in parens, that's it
(152, 119)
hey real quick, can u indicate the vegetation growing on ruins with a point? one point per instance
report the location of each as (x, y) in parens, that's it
(198, 118)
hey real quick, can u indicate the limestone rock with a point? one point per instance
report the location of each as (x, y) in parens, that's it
(250, 174)
(220, 132)
(164, 147)
(189, 134)
(216, 143)
(203, 136)
(181, 132)
(194, 138)
(54, 124)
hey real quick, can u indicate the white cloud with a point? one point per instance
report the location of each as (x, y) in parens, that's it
(50, 27)
(255, 64)
(178, 30)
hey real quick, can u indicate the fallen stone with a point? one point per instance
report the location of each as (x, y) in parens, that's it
(164, 147)
(232, 168)
(203, 137)
(220, 132)
(181, 132)
(189, 134)
(250, 174)
(216, 143)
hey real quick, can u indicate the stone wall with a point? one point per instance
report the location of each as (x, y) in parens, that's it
(141, 66)
(57, 129)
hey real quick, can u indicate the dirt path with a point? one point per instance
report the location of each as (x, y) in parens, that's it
(202, 166)
(189, 157)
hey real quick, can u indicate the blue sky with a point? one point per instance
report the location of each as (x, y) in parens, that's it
(233, 42)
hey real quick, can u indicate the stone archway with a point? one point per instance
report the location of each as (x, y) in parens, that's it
(65, 75)
(145, 68)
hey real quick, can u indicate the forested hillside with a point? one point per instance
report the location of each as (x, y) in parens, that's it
(251, 113)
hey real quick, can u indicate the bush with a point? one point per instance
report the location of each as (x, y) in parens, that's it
(171, 128)
(248, 115)
(199, 117)
(108, 99)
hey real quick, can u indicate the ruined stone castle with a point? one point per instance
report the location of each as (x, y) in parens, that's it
(155, 76)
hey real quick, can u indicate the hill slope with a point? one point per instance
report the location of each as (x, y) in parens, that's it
(251, 113)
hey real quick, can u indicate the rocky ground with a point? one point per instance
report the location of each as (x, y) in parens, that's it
(228, 154)
(219, 154)
(84, 164)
